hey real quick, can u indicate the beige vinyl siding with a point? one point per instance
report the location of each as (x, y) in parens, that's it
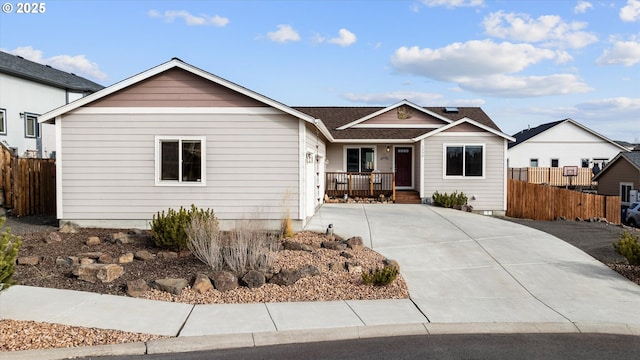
(108, 168)
(489, 191)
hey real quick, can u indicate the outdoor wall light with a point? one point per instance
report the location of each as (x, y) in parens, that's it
(388, 148)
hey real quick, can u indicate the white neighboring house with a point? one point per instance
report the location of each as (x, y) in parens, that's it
(561, 143)
(27, 90)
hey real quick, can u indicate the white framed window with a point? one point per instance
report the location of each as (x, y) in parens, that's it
(31, 126)
(584, 163)
(360, 158)
(3, 121)
(625, 191)
(464, 160)
(180, 160)
(533, 162)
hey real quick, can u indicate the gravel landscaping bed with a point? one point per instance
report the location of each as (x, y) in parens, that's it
(339, 278)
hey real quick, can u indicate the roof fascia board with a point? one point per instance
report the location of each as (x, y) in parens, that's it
(461, 121)
(374, 141)
(398, 104)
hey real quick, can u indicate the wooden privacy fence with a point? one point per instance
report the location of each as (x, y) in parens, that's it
(541, 202)
(551, 176)
(28, 185)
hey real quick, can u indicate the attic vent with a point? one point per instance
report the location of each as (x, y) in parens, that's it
(451, 109)
(404, 112)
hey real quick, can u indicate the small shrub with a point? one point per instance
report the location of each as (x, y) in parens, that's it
(287, 227)
(168, 228)
(380, 277)
(453, 200)
(628, 247)
(203, 234)
(9, 245)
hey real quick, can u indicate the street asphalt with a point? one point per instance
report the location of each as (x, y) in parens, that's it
(466, 274)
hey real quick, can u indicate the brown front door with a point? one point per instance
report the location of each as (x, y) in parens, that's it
(403, 162)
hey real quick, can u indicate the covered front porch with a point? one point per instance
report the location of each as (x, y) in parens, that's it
(360, 184)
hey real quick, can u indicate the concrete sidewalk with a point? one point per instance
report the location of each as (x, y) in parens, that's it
(466, 273)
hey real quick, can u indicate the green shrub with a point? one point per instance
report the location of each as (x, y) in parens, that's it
(454, 200)
(168, 228)
(380, 277)
(628, 247)
(9, 245)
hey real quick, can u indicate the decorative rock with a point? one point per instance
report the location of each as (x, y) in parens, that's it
(353, 268)
(296, 246)
(287, 277)
(144, 255)
(354, 242)
(336, 266)
(93, 240)
(52, 237)
(334, 245)
(29, 260)
(391, 263)
(87, 261)
(224, 280)
(309, 270)
(69, 228)
(106, 259)
(347, 255)
(92, 255)
(201, 283)
(119, 238)
(170, 285)
(67, 260)
(167, 255)
(94, 273)
(136, 288)
(125, 258)
(253, 279)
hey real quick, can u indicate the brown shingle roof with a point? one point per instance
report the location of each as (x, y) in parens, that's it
(334, 117)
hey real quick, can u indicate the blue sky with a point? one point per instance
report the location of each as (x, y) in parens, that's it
(524, 62)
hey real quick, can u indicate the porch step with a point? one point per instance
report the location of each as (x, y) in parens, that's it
(408, 197)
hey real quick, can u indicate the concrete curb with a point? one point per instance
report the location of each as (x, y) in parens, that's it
(230, 341)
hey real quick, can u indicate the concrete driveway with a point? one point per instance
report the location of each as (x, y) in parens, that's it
(468, 268)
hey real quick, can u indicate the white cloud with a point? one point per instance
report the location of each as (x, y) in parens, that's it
(631, 12)
(460, 61)
(550, 29)
(77, 64)
(626, 53)
(453, 3)
(582, 7)
(526, 86)
(609, 105)
(283, 34)
(189, 19)
(345, 38)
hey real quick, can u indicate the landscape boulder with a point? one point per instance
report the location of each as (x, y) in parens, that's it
(354, 242)
(125, 258)
(253, 279)
(93, 240)
(167, 255)
(296, 246)
(201, 283)
(136, 288)
(67, 261)
(334, 245)
(170, 285)
(106, 259)
(120, 238)
(144, 255)
(28, 260)
(288, 277)
(224, 280)
(94, 273)
(69, 228)
(52, 237)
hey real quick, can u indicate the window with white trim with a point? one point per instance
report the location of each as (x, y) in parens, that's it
(360, 159)
(31, 126)
(625, 192)
(533, 162)
(464, 160)
(180, 160)
(3, 122)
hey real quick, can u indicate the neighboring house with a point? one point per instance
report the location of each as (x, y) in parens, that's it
(561, 143)
(176, 135)
(621, 176)
(27, 90)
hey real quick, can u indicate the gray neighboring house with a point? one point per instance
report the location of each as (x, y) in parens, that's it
(27, 90)
(176, 135)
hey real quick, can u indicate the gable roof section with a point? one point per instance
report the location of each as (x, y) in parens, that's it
(632, 157)
(177, 63)
(463, 121)
(527, 134)
(337, 117)
(389, 108)
(19, 67)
